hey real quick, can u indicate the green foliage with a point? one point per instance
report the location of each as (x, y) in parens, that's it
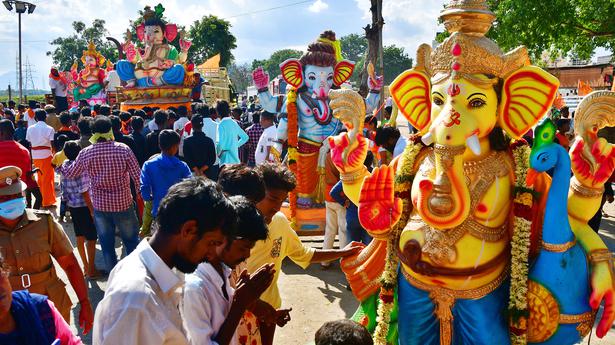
(241, 76)
(211, 35)
(396, 60)
(272, 65)
(560, 27)
(354, 47)
(70, 49)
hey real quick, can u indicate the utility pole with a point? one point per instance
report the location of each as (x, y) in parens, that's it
(20, 7)
(373, 33)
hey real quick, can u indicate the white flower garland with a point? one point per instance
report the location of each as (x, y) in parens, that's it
(520, 247)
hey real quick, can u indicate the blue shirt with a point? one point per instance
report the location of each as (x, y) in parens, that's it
(230, 138)
(159, 173)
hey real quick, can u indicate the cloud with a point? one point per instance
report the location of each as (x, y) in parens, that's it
(318, 6)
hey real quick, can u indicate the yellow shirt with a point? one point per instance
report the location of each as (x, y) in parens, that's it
(58, 159)
(282, 242)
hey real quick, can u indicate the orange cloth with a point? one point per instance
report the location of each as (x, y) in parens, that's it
(307, 171)
(332, 176)
(45, 180)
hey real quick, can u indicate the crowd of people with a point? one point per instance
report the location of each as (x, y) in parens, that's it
(189, 191)
(195, 192)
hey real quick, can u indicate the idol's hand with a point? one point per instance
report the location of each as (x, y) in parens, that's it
(346, 157)
(592, 164)
(379, 209)
(261, 78)
(603, 289)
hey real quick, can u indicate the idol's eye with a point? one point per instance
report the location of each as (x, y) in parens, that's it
(330, 77)
(438, 101)
(477, 103)
(312, 77)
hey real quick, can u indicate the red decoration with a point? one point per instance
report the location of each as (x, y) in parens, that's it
(456, 50)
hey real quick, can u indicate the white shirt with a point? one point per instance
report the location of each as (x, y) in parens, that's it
(58, 86)
(178, 126)
(180, 123)
(205, 308)
(40, 134)
(141, 303)
(210, 128)
(114, 81)
(400, 146)
(268, 138)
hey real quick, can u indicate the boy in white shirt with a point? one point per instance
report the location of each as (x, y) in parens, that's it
(212, 309)
(267, 139)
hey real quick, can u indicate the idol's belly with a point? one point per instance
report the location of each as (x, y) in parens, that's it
(484, 260)
(313, 131)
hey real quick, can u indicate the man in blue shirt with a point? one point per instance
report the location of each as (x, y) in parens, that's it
(230, 135)
(159, 173)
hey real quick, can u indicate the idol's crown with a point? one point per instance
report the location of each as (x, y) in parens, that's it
(467, 52)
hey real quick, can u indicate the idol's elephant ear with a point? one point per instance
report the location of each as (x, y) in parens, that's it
(411, 93)
(342, 72)
(527, 95)
(292, 72)
(170, 32)
(141, 32)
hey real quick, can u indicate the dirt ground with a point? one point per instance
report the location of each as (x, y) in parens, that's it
(317, 295)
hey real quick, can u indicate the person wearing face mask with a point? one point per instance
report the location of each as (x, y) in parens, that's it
(29, 239)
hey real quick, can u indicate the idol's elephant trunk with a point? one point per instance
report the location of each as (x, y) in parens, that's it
(119, 47)
(444, 202)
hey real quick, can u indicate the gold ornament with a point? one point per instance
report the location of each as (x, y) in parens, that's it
(100, 60)
(558, 248)
(544, 313)
(467, 52)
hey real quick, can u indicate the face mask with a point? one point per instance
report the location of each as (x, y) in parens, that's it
(13, 209)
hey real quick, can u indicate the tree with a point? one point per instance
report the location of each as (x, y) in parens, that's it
(272, 65)
(354, 47)
(373, 34)
(396, 60)
(70, 49)
(241, 76)
(211, 35)
(561, 27)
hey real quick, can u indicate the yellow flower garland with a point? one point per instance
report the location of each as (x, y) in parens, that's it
(520, 249)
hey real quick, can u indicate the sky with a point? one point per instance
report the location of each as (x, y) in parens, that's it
(261, 27)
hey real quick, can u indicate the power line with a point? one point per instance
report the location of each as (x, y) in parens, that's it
(269, 9)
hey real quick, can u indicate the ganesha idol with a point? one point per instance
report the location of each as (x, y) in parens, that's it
(89, 82)
(306, 119)
(473, 243)
(159, 63)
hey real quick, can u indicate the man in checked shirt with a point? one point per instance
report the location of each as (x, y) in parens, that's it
(111, 166)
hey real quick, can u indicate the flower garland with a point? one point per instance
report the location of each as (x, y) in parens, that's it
(388, 280)
(293, 142)
(520, 245)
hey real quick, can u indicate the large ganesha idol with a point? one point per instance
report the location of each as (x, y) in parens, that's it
(159, 63)
(307, 119)
(88, 83)
(473, 243)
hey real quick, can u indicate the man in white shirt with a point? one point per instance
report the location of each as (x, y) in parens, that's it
(391, 140)
(267, 139)
(143, 297)
(40, 137)
(58, 85)
(179, 124)
(212, 309)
